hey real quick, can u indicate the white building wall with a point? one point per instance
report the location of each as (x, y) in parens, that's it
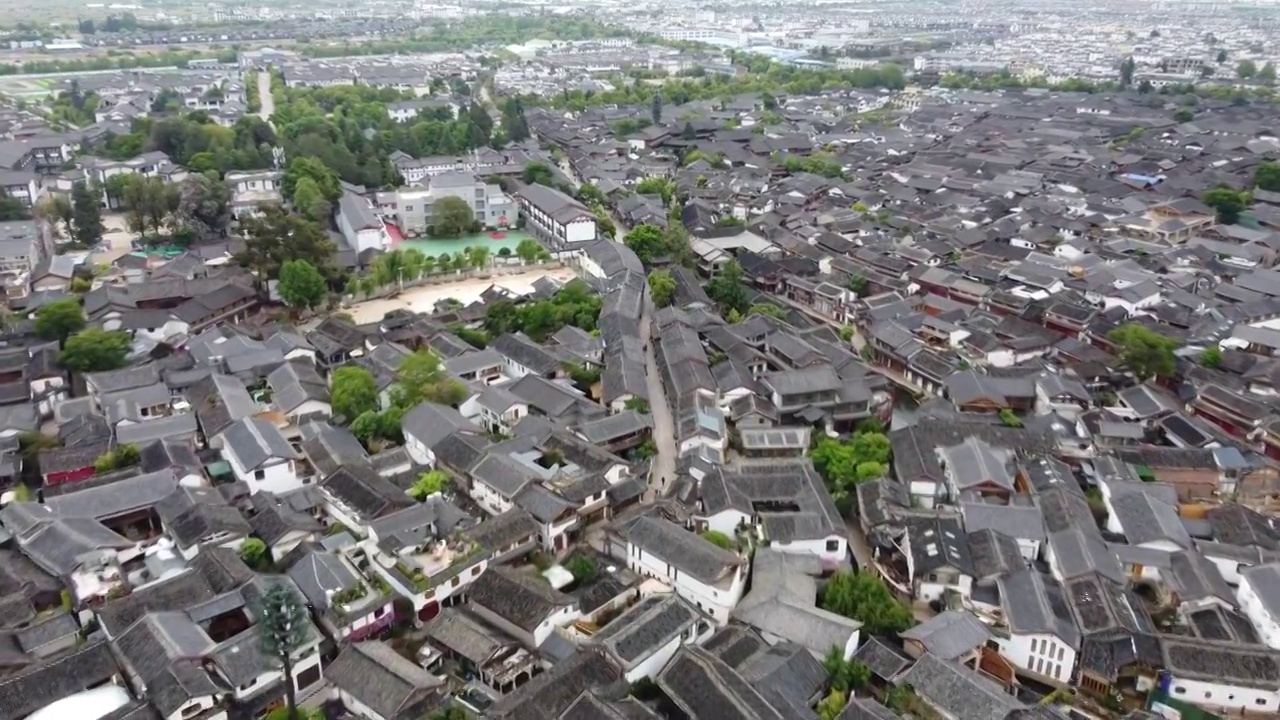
(831, 549)
(560, 618)
(1042, 654)
(728, 521)
(276, 478)
(1220, 695)
(196, 707)
(1251, 605)
(421, 454)
(582, 231)
(715, 602)
(489, 498)
(357, 708)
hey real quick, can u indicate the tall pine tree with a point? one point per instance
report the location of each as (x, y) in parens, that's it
(86, 217)
(284, 628)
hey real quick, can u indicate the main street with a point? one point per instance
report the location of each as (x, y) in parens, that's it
(664, 430)
(664, 427)
(266, 103)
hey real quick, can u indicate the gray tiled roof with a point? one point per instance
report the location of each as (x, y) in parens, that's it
(950, 635)
(255, 441)
(294, 383)
(681, 548)
(1034, 603)
(34, 688)
(382, 679)
(782, 602)
(429, 423)
(958, 691)
(519, 599)
(1023, 522)
(460, 631)
(647, 626)
(703, 686)
(1146, 519)
(795, 483)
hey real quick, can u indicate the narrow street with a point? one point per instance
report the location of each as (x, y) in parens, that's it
(664, 431)
(267, 104)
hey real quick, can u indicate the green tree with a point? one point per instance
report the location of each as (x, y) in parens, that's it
(283, 628)
(59, 319)
(727, 288)
(148, 202)
(662, 287)
(366, 427)
(253, 552)
(536, 173)
(1211, 357)
(1246, 69)
(422, 377)
(1267, 176)
(528, 250)
(310, 201)
(719, 539)
(1144, 351)
(1126, 71)
(429, 483)
(582, 568)
(1227, 202)
(768, 310)
(830, 707)
(845, 675)
(857, 284)
(655, 109)
(657, 186)
(204, 206)
(276, 236)
(676, 240)
(352, 391)
(95, 350)
(646, 242)
(12, 208)
(301, 284)
(604, 225)
(862, 596)
(56, 210)
(1268, 73)
(451, 216)
(86, 217)
(844, 464)
(1222, 56)
(590, 195)
(1183, 115)
(326, 180)
(1009, 418)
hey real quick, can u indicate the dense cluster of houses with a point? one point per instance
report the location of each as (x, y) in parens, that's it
(1075, 525)
(956, 278)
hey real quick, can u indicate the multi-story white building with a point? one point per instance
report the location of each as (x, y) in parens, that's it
(704, 574)
(250, 189)
(1043, 637)
(412, 208)
(360, 225)
(260, 456)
